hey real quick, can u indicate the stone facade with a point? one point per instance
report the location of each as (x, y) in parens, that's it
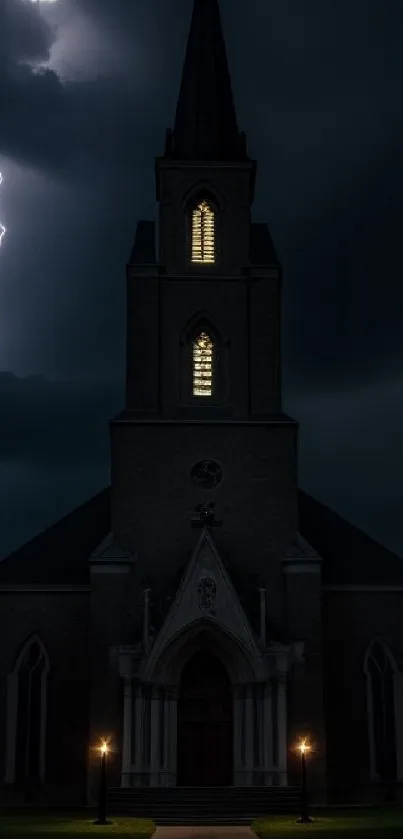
(59, 621)
(201, 611)
(354, 619)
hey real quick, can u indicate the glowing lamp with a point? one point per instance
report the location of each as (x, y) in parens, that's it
(304, 747)
(104, 748)
(103, 751)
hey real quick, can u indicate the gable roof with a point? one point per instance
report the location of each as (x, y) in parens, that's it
(60, 554)
(216, 598)
(350, 557)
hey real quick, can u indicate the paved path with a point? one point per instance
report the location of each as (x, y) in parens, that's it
(205, 832)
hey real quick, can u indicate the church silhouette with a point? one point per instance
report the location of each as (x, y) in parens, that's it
(203, 613)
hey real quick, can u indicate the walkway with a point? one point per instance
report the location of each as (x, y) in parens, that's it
(205, 832)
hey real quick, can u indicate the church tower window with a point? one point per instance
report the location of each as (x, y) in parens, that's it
(203, 365)
(203, 234)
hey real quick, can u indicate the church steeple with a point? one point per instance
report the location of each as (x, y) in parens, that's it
(206, 124)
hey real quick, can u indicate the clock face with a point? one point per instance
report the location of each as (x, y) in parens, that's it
(206, 474)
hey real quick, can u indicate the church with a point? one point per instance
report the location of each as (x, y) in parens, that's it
(203, 614)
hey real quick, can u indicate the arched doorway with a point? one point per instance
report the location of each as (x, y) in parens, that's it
(205, 724)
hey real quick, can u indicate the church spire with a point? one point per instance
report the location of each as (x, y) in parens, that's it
(206, 124)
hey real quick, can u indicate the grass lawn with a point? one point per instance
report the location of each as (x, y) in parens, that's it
(55, 826)
(336, 824)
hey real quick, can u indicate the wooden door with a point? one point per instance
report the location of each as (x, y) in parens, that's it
(205, 726)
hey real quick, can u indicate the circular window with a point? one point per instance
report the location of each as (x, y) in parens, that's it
(206, 474)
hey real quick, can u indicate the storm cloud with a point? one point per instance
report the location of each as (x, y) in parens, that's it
(88, 90)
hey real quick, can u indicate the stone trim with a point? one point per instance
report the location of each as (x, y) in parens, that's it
(110, 568)
(184, 622)
(160, 707)
(398, 711)
(11, 727)
(41, 588)
(132, 420)
(359, 587)
(298, 566)
(127, 731)
(12, 717)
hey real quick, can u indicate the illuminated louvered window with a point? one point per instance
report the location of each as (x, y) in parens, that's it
(203, 359)
(203, 234)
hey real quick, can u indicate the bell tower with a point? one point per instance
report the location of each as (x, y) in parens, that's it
(203, 342)
(218, 273)
(205, 173)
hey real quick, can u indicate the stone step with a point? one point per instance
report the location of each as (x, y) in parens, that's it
(192, 806)
(204, 792)
(201, 805)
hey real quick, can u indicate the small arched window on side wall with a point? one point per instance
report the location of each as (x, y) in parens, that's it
(380, 669)
(26, 716)
(203, 234)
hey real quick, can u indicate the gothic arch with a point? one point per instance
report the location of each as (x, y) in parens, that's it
(202, 319)
(202, 323)
(203, 212)
(377, 641)
(27, 713)
(380, 669)
(203, 634)
(203, 190)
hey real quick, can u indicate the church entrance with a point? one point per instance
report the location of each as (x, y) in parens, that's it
(205, 728)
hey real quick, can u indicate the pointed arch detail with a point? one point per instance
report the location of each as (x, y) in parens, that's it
(204, 354)
(33, 639)
(203, 190)
(203, 320)
(242, 664)
(382, 681)
(378, 649)
(27, 685)
(202, 209)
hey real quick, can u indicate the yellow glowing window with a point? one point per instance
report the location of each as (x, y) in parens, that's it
(203, 356)
(203, 234)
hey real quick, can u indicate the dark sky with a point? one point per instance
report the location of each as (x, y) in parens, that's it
(88, 89)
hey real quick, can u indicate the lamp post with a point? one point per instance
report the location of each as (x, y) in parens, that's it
(304, 817)
(103, 749)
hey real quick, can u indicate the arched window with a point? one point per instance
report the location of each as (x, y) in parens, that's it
(26, 715)
(380, 671)
(204, 362)
(203, 365)
(203, 234)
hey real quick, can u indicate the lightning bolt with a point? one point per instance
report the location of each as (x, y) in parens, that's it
(2, 228)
